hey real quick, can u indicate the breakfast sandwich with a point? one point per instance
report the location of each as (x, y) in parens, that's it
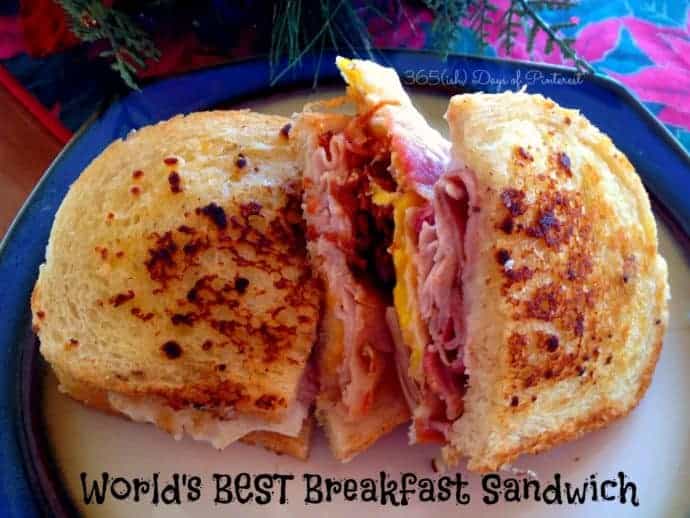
(176, 288)
(360, 171)
(541, 295)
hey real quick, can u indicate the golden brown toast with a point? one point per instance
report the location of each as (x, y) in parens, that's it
(348, 437)
(565, 291)
(176, 269)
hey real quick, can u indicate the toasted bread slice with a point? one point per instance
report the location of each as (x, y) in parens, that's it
(565, 291)
(176, 269)
(348, 437)
(297, 447)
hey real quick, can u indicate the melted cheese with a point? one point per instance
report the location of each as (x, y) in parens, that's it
(332, 356)
(202, 425)
(412, 327)
(352, 76)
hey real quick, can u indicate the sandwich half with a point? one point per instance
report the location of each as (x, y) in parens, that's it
(176, 288)
(360, 170)
(541, 293)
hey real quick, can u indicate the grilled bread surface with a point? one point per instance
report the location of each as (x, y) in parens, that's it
(176, 268)
(565, 291)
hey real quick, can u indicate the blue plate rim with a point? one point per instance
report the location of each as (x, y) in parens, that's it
(287, 83)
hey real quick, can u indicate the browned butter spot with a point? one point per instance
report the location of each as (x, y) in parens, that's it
(215, 213)
(250, 209)
(551, 343)
(137, 312)
(161, 263)
(186, 319)
(514, 201)
(241, 284)
(175, 181)
(563, 162)
(523, 155)
(121, 298)
(172, 349)
(502, 256)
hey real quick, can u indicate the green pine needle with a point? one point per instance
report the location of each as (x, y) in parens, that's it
(130, 46)
(300, 27)
(445, 30)
(480, 20)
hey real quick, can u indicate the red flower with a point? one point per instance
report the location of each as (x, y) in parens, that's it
(44, 27)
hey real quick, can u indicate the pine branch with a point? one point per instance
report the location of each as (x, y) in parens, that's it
(528, 9)
(286, 34)
(446, 27)
(511, 24)
(300, 28)
(480, 20)
(129, 45)
(295, 55)
(520, 15)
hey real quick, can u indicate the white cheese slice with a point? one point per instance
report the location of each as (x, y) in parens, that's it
(201, 425)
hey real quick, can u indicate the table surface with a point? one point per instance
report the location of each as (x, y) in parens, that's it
(26, 150)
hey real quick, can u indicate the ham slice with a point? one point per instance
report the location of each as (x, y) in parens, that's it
(387, 147)
(402, 361)
(440, 254)
(358, 305)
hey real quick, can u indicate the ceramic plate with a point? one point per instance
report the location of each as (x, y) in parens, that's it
(47, 441)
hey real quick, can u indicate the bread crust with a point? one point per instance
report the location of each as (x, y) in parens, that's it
(176, 268)
(563, 262)
(349, 437)
(298, 447)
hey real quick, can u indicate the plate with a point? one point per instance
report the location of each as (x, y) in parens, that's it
(47, 441)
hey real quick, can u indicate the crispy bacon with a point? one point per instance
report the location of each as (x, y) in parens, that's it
(351, 235)
(367, 159)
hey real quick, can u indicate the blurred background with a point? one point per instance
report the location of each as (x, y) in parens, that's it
(63, 61)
